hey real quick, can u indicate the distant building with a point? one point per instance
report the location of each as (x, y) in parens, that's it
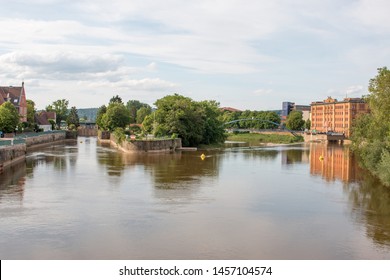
(336, 116)
(42, 120)
(230, 109)
(17, 96)
(287, 107)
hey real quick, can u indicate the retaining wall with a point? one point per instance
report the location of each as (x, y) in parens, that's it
(44, 139)
(11, 154)
(164, 145)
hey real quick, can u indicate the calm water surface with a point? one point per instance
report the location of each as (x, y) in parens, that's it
(83, 200)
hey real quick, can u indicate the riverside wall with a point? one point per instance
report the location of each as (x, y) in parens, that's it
(148, 146)
(12, 154)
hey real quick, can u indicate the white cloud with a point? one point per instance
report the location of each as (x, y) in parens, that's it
(263, 92)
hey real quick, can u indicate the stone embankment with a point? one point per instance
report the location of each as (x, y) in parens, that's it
(137, 146)
(15, 149)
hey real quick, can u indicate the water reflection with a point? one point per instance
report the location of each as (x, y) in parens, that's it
(333, 162)
(299, 201)
(12, 182)
(370, 205)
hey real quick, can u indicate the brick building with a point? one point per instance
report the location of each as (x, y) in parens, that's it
(17, 96)
(336, 116)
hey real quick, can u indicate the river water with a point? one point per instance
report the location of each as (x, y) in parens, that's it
(82, 200)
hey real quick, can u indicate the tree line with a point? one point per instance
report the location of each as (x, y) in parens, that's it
(371, 132)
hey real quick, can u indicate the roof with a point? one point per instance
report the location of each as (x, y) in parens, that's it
(12, 94)
(230, 109)
(330, 100)
(43, 117)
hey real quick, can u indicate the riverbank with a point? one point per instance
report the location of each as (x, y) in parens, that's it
(265, 138)
(14, 151)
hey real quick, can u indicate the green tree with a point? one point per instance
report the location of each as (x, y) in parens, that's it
(99, 117)
(194, 122)
(295, 120)
(371, 132)
(9, 117)
(61, 108)
(116, 99)
(213, 131)
(116, 115)
(142, 113)
(308, 124)
(134, 106)
(73, 118)
(30, 112)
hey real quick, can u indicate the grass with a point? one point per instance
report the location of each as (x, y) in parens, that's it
(265, 138)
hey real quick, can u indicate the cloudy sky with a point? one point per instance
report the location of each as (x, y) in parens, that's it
(247, 54)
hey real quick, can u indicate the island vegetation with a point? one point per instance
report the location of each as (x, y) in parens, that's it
(371, 132)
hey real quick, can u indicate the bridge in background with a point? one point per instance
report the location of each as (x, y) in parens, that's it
(278, 128)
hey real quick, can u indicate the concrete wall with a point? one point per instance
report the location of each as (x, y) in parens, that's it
(44, 139)
(148, 145)
(11, 154)
(86, 131)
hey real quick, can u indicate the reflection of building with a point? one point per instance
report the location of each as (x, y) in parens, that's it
(332, 162)
(17, 97)
(337, 116)
(287, 107)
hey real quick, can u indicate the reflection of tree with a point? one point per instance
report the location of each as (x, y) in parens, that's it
(12, 181)
(371, 205)
(262, 154)
(295, 155)
(112, 160)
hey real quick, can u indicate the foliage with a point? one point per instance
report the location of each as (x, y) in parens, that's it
(194, 122)
(134, 107)
(9, 117)
(30, 112)
(265, 138)
(116, 99)
(99, 116)
(295, 120)
(371, 132)
(73, 118)
(119, 135)
(251, 119)
(61, 108)
(142, 113)
(116, 115)
(308, 124)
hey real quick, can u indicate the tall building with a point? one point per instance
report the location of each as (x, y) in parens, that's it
(17, 97)
(336, 116)
(287, 107)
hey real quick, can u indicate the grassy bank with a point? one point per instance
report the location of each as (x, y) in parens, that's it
(265, 138)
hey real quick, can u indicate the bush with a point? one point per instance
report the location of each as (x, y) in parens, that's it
(119, 135)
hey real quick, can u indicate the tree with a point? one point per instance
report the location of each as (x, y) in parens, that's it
(9, 117)
(115, 99)
(371, 132)
(295, 120)
(142, 113)
(73, 118)
(30, 112)
(61, 108)
(194, 122)
(134, 106)
(99, 116)
(116, 115)
(308, 124)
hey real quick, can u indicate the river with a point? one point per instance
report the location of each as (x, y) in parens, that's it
(84, 200)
